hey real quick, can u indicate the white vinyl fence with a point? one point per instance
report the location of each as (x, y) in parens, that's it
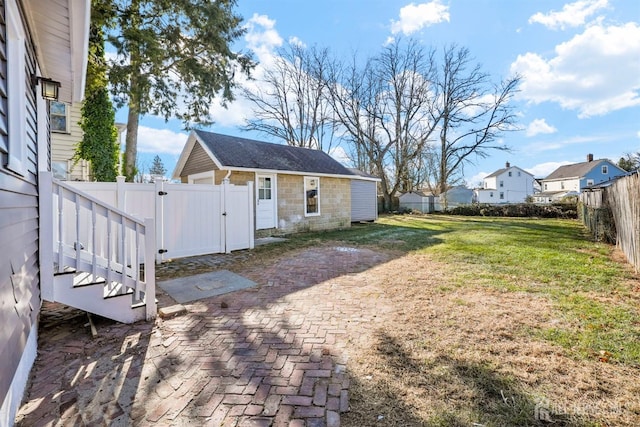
(191, 219)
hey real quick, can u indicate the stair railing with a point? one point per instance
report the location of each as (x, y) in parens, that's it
(92, 237)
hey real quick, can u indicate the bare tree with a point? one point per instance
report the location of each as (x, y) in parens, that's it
(474, 113)
(386, 109)
(290, 101)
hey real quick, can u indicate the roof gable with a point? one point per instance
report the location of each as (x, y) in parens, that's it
(230, 152)
(503, 170)
(577, 170)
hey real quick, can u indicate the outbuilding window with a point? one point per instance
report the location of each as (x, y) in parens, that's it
(311, 195)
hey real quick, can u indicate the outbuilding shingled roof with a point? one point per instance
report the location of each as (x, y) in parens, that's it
(235, 152)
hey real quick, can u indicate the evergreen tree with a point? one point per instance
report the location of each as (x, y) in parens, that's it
(173, 58)
(157, 167)
(99, 141)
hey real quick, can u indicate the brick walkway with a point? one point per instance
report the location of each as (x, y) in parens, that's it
(275, 355)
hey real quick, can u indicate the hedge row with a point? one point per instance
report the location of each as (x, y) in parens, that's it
(559, 210)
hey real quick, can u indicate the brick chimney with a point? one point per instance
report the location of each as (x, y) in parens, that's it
(507, 165)
(589, 157)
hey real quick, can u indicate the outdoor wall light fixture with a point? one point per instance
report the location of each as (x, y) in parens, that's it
(49, 88)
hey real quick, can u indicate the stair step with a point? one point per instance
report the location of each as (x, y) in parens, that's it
(90, 297)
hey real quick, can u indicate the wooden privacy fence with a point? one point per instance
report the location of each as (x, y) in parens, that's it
(191, 219)
(616, 207)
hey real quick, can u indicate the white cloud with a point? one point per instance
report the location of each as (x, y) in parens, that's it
(263, 40)
(595, 72)
(414, 17)
(477, 180)
(339, 154)
(262, 37)
(539, 126)
(295, 41)
(572, 14)
(538, 147)
(542, 170)
(158, 141)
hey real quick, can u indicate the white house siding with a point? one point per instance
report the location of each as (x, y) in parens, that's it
(63, 147)
(490, 183)
(19, 222)
(364, 206)
(570, 184)
(503, 188)
(486, 196)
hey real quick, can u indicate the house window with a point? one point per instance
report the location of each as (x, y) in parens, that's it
(501, 195)
(491, 194)
(605, 169)
(509, 173)
(59, 170)
(590, 182)
(311, 195)
(59, 117)
(501, 183)
(519, 174)
(562, 185)
(545, 187)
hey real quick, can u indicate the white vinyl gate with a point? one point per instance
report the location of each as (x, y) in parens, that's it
(191, 219)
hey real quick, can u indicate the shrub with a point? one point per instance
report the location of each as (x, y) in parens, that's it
(556, 210)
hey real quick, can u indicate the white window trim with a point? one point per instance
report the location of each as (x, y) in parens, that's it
(605, 170)
(317, 195)
(67, 107)
(17, 91)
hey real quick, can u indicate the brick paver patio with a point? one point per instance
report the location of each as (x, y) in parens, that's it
(275, 355)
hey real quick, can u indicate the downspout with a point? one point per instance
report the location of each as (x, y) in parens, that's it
(226, 178)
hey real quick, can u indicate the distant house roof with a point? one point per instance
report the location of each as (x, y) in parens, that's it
(496, 173)
(235, 153)
(575, 170)
(503, 170)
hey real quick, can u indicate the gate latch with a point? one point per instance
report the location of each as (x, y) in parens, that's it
(162, 251)
(224, 214)
(162, 193)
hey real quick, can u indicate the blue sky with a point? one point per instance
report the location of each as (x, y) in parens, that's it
(580, 63)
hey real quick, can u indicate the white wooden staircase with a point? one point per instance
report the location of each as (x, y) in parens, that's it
(103, 260)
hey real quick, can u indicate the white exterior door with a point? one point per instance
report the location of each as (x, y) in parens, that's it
(266, 213)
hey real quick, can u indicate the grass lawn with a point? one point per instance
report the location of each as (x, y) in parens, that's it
(497, 321)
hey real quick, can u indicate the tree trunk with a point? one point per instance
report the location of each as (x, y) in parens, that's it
(131, 150)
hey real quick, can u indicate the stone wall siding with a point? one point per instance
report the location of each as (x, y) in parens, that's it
(335, 205)
(236, 178)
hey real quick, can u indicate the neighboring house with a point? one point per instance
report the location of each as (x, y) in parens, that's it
(417, 201)
(510, 184)
(570, 180)
(65, 135)
(297, 189)
(45, 39)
